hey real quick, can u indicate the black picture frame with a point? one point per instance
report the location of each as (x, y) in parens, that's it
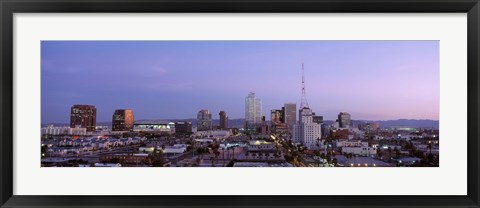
(10, 7)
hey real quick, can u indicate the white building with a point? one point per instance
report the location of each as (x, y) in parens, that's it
(253, 111)
(77, 131)
(362, 151)
(175, 149)
(349, 143)
(306, 131)
(63, 130)
(55, 130)
(166, 127)
(214, 133)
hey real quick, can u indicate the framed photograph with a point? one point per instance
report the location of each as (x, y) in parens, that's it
(265, 103)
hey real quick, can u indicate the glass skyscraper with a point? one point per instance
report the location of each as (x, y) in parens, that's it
(253, 111)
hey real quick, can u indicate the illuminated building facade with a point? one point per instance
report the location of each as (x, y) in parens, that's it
(164, 127)
(122, 120)
(276, 117)
(84, 116)
(183, 127)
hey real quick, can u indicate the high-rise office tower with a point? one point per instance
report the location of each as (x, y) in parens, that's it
(84, 116)
(122, 120)
(253, 111)
(204, 120)
(290, 114)
(344, 120)
(223, 120)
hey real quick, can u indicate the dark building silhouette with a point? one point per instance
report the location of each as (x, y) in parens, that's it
(344, 120)
(183, 127)
(317, 119)
(223, 120)
(122, 120)
(84, 116)
(263, 128)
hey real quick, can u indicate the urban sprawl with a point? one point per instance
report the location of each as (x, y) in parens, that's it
(284, 141)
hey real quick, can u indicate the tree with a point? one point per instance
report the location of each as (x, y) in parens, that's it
(156, 158)
(212, 159)
(43, 151)
(231, 163)
(329, 158)
(200, 151)
(198, 160)
(397, 152)
(334, 161)
(430, 146)
(389, 152)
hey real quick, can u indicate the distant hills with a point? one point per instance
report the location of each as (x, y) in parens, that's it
(414, 123)
(424, 123)
(238, 123)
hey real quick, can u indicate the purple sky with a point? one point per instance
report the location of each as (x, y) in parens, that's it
(372, 80)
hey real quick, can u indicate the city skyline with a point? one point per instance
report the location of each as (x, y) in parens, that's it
(372, 80)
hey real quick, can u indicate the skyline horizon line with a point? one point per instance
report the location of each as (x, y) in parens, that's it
(177, 119)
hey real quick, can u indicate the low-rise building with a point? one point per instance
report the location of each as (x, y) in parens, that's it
(362, 151)
(408, 160)
(126, 158)
(162, 127)
(214, 133)
(107, 165)
(260, 145)
(175, 149)
(351, 143)
(63, 130)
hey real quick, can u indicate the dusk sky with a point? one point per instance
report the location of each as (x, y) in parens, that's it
(372, 80)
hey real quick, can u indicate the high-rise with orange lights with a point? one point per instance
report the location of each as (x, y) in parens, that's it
(122, 120)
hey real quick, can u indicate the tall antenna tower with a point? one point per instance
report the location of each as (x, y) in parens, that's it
(304, 103)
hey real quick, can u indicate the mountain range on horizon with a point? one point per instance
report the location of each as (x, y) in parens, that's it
(238, 123)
